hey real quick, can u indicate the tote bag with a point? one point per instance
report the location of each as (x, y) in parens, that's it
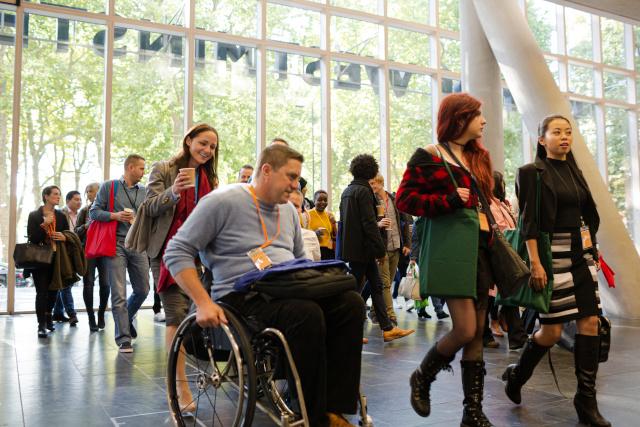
(101, 236)
(448, 258)
(527, 296)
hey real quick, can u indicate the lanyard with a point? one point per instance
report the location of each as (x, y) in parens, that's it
(195, 202)
(135, 208)
(575, 186)
(267, 241)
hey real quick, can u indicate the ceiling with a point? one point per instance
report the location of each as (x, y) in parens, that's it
(629, 9)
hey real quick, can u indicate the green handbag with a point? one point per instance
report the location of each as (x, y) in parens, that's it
(448, 258)
(526, 296)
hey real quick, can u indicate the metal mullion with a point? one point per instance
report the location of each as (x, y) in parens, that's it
(108, 91)
(561, 34)
(261, 95)
(411, 68)
(410, 26)
(355, 14)
(385, 117)
(634, 154)
(301, 4)
(325, 117)
(15, 152)
(64, 13)
(190, 66)
(601, 141)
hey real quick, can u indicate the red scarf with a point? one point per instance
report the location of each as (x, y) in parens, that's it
(185, 206)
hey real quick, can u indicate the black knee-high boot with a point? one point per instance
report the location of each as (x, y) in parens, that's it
(517, 374)
(586, 354)
(422, 378)
(473, 373)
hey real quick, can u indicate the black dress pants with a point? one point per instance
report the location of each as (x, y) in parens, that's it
(45, 299)
(88, 282)
(370, 270)
(325, 338)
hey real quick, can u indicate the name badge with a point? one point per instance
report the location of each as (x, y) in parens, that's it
(259, 259)
(585, 236)
(484, 222)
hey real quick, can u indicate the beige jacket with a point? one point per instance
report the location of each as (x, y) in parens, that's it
(160, 205)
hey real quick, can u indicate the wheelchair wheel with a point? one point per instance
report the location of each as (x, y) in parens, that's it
(220, 374)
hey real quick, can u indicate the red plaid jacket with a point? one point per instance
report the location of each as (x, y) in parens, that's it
(427, 190)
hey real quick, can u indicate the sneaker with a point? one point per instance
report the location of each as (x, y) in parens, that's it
(395, 333)
(73, 321)
(491, 343)
(442, 315)
(125, 347)
(159, 317)
(60, 318)
(516, 345)
(372, 317)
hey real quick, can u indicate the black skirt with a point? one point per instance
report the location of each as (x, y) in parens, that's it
(575, 281)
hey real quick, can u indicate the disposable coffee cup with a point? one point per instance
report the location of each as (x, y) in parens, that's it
(129, 210)
(191, 172)
(380, 211)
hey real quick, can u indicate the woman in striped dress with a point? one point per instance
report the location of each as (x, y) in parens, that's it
(568, 213)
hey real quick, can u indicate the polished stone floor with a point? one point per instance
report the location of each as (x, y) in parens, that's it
(79, 379)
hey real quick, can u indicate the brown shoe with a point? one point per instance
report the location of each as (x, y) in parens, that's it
(337, 420)
(396, 333)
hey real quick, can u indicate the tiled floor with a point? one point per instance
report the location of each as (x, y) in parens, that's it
(78, 379)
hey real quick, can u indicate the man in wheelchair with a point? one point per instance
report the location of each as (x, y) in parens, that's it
(244, 227)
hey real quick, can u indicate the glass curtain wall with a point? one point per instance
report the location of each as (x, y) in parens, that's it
(105, 78)
(590, 59)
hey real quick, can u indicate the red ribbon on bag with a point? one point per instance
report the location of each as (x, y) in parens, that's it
(609, 274)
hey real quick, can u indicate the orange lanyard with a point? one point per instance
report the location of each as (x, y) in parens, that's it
(267, 241)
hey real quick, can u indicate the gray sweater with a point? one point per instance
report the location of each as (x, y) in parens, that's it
(100, 209)
(224, 227)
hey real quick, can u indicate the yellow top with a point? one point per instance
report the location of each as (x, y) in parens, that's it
(323, 220)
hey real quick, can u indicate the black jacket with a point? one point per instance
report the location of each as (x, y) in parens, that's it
(360, 239)
(35, 233)
(526, 193)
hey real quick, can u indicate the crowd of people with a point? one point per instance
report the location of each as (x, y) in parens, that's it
(183, 223)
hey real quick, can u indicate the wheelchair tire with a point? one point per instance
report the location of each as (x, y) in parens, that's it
(224, 385)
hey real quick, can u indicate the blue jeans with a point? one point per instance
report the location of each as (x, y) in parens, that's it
(64, 299)
(438, 304)
(123, 309)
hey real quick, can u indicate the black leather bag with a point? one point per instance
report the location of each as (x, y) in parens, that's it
(31, 255)
(510, 272)
(604, 330)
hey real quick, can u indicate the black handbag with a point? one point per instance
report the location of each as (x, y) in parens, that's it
(31, 255)
(604, 330)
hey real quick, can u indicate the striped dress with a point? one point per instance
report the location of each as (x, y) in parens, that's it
(575, 282)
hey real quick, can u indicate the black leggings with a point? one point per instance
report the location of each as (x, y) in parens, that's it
(89, 280)
(45, 299)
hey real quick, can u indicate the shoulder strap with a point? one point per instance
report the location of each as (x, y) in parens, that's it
(112, 193)
(446, 165)
(538, 198)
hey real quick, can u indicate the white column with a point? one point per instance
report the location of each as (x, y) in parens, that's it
(481, 78)
(536, 95)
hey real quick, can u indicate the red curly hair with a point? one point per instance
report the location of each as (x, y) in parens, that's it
(455, 113)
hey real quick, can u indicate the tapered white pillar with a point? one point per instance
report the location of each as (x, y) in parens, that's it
(481, 78)
(536, 95)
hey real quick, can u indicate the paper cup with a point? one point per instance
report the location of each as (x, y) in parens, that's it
(380, 211)
(191, 172)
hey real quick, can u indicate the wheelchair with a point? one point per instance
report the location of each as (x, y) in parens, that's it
(233, 369)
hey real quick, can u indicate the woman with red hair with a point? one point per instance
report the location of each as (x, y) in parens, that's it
(441, 179)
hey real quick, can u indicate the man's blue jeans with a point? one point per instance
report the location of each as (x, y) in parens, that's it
(123, 309)
(64, 299)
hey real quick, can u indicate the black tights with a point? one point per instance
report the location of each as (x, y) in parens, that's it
(89, 280)
(466, 334)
